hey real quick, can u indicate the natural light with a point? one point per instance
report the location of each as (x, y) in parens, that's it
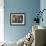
(1, 25)
(1, 20)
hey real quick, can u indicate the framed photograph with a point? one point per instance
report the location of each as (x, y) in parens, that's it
(17, 18)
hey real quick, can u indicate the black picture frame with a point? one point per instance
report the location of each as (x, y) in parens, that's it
(17, 19)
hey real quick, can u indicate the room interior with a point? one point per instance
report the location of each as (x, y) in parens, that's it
(17, 25)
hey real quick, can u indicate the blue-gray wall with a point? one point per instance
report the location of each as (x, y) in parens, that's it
(29, 7)
(43, 6)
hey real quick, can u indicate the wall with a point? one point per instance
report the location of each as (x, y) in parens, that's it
(43, 6)
(29, 7)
